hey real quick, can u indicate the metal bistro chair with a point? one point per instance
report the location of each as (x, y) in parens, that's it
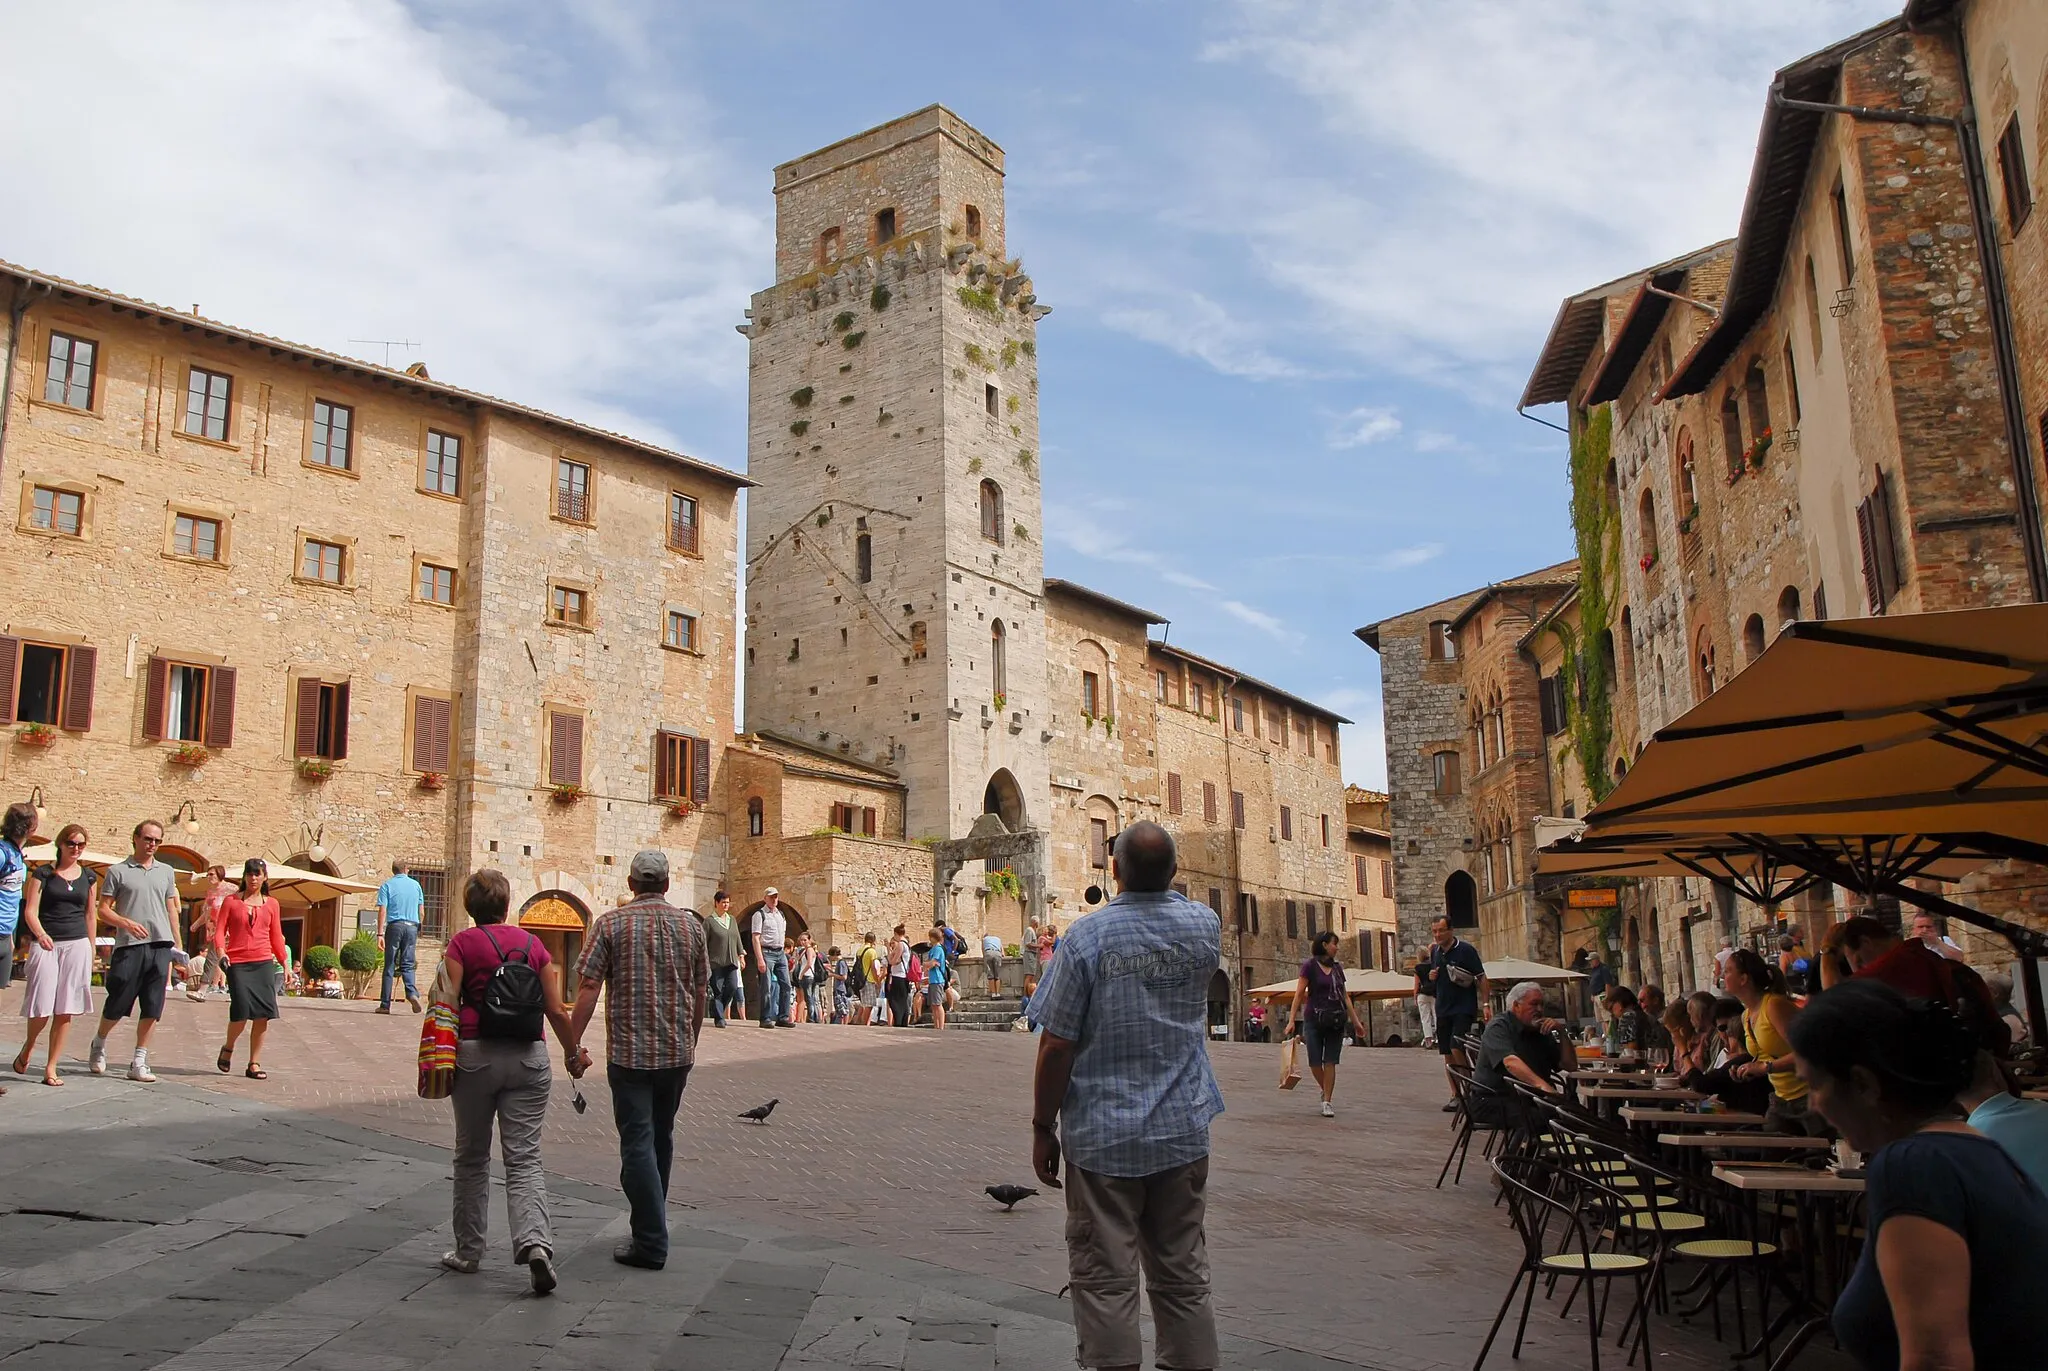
(1471, 1092)
(1544, 1199)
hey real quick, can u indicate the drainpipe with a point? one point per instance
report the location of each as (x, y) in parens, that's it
(22, 294)
(2003, 345)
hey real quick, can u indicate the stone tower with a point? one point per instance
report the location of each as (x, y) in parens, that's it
(894, 572)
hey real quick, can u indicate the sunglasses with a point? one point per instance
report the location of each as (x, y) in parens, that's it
(74, 842)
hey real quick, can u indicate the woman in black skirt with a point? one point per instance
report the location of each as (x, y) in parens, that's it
(250, 936)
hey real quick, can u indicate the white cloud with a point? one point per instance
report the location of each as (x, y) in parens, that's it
(1429, 440)
(1365, 426)
(1401, 558)
(1080, 530)
(331, 172)
(1259, 619)
(1193, 326)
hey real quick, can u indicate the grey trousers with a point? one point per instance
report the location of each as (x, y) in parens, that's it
(1117, 1225)
(506, 1083)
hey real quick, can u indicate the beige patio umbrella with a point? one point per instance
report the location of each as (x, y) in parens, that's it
(1507, 970)
(291, 884)
(39, 854)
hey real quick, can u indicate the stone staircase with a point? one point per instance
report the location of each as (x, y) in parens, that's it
(980, 1014)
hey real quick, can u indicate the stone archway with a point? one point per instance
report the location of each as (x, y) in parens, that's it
(992, 843)
(1004, 798)
(559, 919)
(1461, 900)
(1219, 1004)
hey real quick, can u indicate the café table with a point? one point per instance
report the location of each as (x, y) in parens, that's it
(1766, 1142)
(1676, 1094)
(1822, 1234)
(1686, 1118)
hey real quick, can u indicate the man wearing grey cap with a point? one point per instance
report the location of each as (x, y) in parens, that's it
(769, 931)
(649, 958)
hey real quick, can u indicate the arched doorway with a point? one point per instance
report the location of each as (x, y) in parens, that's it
(307, 923)
(558, 919)
(750, 979)
(1461, 900)
(1219, 1004)
(1004, 798)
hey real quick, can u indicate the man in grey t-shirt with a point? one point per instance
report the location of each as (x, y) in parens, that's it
(140, 899)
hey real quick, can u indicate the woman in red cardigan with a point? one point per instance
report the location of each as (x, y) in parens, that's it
(249, 933)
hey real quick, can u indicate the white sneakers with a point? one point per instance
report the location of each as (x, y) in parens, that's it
(138, 1069)
(1329, 1111)
(97, 1062)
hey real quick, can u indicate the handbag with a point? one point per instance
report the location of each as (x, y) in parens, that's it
(1290, 1064)
(439, 1036)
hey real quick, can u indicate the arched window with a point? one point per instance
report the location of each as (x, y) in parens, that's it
(998, 670)
(1757, 396)
(974, 222)
(1500, 729)
(1731, 433)
(755, 816)
(1688, 491)
(1753, 637)
(828, 246)
(992, 512)
(1792, 382)
(1646, 528)
(1788, 605)
(1703, 664)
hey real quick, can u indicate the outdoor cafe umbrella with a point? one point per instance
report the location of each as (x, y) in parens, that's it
(41, 854)
(290, 884)
(1371, 985)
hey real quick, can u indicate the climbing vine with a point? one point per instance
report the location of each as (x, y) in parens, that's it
(1589, 710)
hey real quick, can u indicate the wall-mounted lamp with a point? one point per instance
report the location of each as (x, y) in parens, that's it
(310, 838)
(187, 817)
(35, 802)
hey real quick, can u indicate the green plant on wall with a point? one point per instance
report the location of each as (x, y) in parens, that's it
(1024, 458)
(973, 465)
(801, 398)
(852, 340)
(878, 298)
(843, 320)
(1589, 694)
(1012, 401)
(959, 373)
(973, 353)
(1028, 348)
(1020, 533)
(800, 427)
(983, 300)
(824, 517)
(1004, 882)
(1009, 352)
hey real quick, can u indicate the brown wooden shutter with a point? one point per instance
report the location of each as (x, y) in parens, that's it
(1885, 537)
(155, 687)
(79, 668)
(565, 749)
(220, 707)
(1873, 588)
(662, 785)
(1173, 792)
(306, 718)
(867, 822)
(340, 739)
(10, 674)
(700, 771)
(430, 733)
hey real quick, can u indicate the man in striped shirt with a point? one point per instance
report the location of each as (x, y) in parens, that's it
(649, 958)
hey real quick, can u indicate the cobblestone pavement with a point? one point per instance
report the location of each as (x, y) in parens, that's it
(141, 1226)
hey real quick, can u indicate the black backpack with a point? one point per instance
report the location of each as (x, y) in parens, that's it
(856, 979)
(513, 1003)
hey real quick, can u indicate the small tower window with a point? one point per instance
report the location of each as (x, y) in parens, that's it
(864, 557)
(974, 222)
(991, 400)
(992, 512)
(918, 641)
(755, 817)
(885, 225)
(997, 667)
(828, 246)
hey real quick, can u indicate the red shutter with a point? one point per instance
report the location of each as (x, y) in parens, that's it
(306, 718)
(867, 822)
(220, 707)
(700, 771)
(155, 687)
(565, 749)
(340, 739)
(10, 673)
(79, 668)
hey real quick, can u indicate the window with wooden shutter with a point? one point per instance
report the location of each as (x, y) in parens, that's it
(1237, 808)
(220, 707)
(1879, 545)
(320, 723)
(1209, 802)
(682, 768)
(432, 734)
(10, 669)
(1173, 792)
(565, 748)
(1358, 874)
(1387, 879)
(700, 772)
(1293, 919)
(155, 679)
(1286, 823)
(1098, 842)
(867, 821)
(80, 666)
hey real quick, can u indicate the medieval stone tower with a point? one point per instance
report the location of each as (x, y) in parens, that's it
(894, 574)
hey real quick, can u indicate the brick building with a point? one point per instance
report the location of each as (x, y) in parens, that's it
(290, 603)
(1825, 417)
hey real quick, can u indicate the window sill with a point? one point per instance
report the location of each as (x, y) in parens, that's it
(693, 553)
(60, 407)
(555, 516)
(567, 627)
(346, 587)
(84, 535)
(215, 562)
(682, 651)
(434, 604)
(454, 499)
(205, 441)
(350, 472)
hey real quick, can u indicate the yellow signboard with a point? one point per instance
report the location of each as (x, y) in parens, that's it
(551, 912)
(1600, 898)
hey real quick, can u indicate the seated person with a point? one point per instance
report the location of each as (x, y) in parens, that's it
(1521, 1045)
(1876, 953)
(1999, 983)
(330, 984)
(1631, 1029)
(1719, 1080)
(2020, 1126)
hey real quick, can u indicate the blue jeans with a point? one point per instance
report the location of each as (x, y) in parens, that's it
(775, 991)
(400, 941)
(644, 1105)
(725, 993)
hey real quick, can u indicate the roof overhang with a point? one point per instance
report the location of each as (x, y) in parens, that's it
(1238, 678)
(1580, 321)
(1110, 602)
(1638, 329)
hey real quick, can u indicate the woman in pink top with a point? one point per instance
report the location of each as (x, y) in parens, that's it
(249, 935)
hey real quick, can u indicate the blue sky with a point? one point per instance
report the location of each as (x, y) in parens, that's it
(1301, 255)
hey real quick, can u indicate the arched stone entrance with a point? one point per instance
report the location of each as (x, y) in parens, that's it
(1461, 900)
(750, 980)
(1004, 798)
(1219, 1004)
(558, 919)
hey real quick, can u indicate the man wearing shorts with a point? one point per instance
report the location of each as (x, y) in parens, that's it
(872, 973)
(140, 899)
(1459, 975)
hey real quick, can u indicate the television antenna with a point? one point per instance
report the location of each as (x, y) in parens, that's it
(387, 344)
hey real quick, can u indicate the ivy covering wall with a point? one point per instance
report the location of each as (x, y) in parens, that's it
(1589, 710)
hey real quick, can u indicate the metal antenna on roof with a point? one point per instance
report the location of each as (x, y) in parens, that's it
(386, 343)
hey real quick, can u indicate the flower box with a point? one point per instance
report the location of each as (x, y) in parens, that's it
(190, 754)
(567, 794)
(315, 768)
(678, 809)
(36, 735)
(1000, 700)
(1647, 560)
(433, 780)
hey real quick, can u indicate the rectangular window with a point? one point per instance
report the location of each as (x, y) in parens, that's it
(443, 472)
(1098, 843)
(681, 631)
(1446, 768)
(1287, 823)
(1216, 900)
(1173, 792)
(2012, 171)
(682, 522)
(437, 584)
(333, 435)
(1237, 714)
(1550, 702)
(1358, 868)
(1200, 699)
(189, 704)
(1880, 546)
(1091, 689)
(320, 720)
(58, 511)
(1326, 830)
(1237, 808)
(433, 879)
(1843, 240)
(567, 605)
(73, 364)
(207, 394)
(864, 558)
(1160, 677)
(991, 399)
(193, 536)
(572, 491)
(1387, 879)
(678, 760)
(1441, 643)
(1209, 801)
(565, 748)
(1293, 919)
(433, 734)
(918, 642)
(43, 683)
(320, 561)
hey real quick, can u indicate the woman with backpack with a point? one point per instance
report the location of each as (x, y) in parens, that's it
(501, 985)
(248, 935)
(899, 979)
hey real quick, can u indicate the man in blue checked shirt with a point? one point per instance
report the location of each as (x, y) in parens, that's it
(1123, 1072)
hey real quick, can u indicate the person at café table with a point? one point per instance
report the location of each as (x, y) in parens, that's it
(1954, 1271)
(1632, 1028)
(1729, 1052)
(1767, 1017)
(1523, 1045)
(1910, 967)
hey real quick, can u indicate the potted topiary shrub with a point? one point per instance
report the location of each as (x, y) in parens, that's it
(319, 961)
(360, 959)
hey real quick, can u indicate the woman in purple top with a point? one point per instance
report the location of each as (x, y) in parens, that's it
(1330, 1013)
(502, 1075)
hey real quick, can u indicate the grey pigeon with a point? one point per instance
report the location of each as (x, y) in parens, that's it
(1008, 1195)
(760, 1112)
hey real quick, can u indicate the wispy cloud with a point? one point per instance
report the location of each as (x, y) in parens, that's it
(1401, 558)
(1258, 618)
(1080, 530)
(1365, 426)
(1429, 440)
(1196, 327)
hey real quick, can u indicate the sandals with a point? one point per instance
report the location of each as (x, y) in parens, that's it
(225, 1062)
(21, 1063)
(256, 1073)
(54, 1080)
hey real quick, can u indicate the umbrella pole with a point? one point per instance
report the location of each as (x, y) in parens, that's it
(2037, 1012)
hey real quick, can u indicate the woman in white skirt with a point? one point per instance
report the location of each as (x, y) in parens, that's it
(57, 909)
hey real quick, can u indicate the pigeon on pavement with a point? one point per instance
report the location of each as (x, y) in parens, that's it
(1008, 1195)
(760, 1112)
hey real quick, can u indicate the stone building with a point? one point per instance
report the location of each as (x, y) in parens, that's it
(1827, 416)
(1369, 842)
(301, 606)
